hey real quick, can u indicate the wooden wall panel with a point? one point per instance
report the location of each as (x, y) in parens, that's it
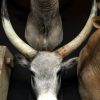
(5, 57)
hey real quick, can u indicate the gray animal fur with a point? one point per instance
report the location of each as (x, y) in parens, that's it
(45, 73)
(44, 25)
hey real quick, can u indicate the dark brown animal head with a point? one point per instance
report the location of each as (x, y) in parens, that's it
(89, 66)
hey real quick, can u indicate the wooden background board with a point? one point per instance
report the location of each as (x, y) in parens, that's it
(5, 57)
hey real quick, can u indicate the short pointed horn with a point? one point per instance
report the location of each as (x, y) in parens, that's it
(25, 49)
(76, 42)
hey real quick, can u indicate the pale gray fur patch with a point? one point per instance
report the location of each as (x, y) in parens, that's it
(47, 96)
(45, 61)
(45, 67)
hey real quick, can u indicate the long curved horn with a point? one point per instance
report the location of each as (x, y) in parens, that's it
(76, 42)
(25, 49)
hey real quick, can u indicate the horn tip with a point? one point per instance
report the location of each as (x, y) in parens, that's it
(4, 12)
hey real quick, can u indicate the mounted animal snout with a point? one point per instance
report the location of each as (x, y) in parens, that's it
(46, 72)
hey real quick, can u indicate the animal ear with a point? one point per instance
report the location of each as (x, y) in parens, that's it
(96, 21)
(20, 60)
(68, 68)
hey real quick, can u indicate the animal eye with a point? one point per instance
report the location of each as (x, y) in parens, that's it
(25, 66)
(32, 73)
(59, 76)
(32, 81)
(58, 73)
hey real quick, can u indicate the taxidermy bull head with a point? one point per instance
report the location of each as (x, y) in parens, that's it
(44, 30)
